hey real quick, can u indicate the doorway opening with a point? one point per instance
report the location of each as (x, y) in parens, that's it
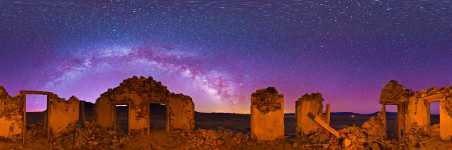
(391, 121)
(434, 113)
(122, 118)
(157, 116)
(36, 113)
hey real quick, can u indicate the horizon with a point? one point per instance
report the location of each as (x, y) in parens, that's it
(220, 52)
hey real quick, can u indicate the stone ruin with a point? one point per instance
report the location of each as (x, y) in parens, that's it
(308, 106)
(62, 115)
(138, 94)
(267, 114)
(413, 108)
(11, 114)
(414, 129)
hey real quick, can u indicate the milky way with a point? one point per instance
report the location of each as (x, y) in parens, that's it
(219, 52)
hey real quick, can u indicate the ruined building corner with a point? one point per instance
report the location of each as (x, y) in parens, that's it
(394, 93)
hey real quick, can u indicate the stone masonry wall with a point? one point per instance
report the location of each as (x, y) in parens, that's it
(62, 115)
(418, 114)
(445, 119)
(139, 93)
(305, 105)
(267, 114)
(181, 112)
(11, 114)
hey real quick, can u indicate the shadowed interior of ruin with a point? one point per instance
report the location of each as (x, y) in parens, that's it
(434, 113)
(122, 116)
(158, 114)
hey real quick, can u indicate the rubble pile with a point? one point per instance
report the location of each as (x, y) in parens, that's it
(375, 126)
(210, 139)
(415, 137)
(36, 130)
(317, 136)
(92, 137)
(359, 138)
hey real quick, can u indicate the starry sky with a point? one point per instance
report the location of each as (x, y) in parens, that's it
(219, 52)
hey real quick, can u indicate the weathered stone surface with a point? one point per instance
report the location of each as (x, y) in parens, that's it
(138, 93)
(267, 114)
(394, 93)
(445, 119)
(62, 115)
(375, 126)
(308, 104)
(266, 100)
(448, 104)
(11, 114)
(418, 113)
(104, 112)
(181, 112)
(414, 110)
(267, 122)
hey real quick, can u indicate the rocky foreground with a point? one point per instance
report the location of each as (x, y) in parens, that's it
(93, 137)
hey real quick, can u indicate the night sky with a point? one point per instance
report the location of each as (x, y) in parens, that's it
(219, 52)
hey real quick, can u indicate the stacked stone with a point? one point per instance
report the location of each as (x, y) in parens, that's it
(394, 93)
(267, 114)
(11, 115)
(307, 106)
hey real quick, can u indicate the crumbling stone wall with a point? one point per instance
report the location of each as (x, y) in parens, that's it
(139, 93)
(11, 114)
(414, 108)
(308, 104)
(394, 93)
(62, 115)
(267, 114)
(181, 112)
(445, 119)
(104, 113)
(418, 113)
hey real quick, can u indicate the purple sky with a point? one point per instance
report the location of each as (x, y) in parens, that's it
(219, 52)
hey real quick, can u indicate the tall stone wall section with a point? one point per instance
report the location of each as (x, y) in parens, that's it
(62, 115)
(11, 114)
(104, 113)
(181, 112)
(418, 113)
(267, 114)
(445, 118)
